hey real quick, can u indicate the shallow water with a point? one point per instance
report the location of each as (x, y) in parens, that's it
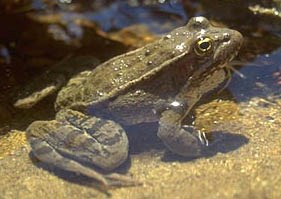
(244, 158)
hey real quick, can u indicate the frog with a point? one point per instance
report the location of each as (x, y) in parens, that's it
(159, 82)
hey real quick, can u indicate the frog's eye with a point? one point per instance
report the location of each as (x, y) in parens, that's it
(203, 45)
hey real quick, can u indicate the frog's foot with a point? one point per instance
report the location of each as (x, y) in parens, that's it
(37, 95)
(76, 142)
(185, 141)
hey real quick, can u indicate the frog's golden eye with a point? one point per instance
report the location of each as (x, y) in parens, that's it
(203, 45)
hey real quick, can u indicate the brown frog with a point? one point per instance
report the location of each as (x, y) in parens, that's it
(161, 81)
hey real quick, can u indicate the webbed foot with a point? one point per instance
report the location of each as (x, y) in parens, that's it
(77, 142)
(185, 140)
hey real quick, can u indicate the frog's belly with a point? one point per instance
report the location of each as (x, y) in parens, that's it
(135, 107)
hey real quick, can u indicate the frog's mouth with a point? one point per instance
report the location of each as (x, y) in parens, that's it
(224, 63)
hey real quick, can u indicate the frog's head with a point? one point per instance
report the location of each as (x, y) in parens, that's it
(208, 50)
(212, 47)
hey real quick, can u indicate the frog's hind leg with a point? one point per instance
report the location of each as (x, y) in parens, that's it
(46, 153)
(75, 142)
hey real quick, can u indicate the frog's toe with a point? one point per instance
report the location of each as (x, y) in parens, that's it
(185, 141)
(201, 136)
(115, 179)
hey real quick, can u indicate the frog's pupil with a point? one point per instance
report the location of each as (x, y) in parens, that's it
(204, 45)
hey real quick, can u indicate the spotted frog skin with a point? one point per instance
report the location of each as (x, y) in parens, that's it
(161, 81)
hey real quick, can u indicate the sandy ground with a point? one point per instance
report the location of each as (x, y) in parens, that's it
(243, 162)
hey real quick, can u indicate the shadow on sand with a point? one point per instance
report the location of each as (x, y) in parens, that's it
(223, 142)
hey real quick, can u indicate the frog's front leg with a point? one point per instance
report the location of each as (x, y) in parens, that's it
(181, 139)
(176, 136)
(77, 142)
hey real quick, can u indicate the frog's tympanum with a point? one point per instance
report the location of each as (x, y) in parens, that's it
(161, 81)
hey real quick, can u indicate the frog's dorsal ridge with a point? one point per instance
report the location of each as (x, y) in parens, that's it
(106, 94)
(119, 73)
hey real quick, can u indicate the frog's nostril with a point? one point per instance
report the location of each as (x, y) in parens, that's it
(226, 37)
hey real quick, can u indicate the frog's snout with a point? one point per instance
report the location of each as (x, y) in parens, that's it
(237, 39)
(230, 44)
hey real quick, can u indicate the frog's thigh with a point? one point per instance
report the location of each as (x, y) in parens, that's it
(75, 137)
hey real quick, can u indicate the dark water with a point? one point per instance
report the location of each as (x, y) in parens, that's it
(261, 78)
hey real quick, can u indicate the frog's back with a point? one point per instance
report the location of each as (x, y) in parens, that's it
(123, 71)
